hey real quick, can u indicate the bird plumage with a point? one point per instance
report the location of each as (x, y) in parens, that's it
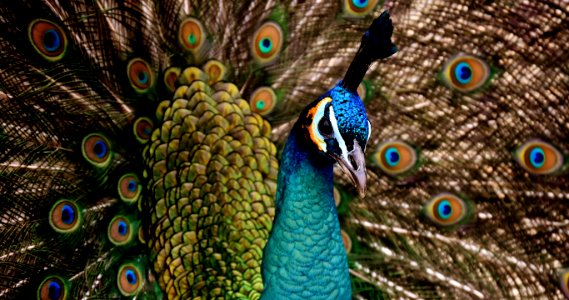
(305, 257)
(130, 166)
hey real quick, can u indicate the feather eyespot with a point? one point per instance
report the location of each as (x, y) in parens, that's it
(466, 73)
(564, 282)
(191, 35)
(171, 75)
(363, 91)
(539, 158)
(267, 42)
(447, 209)
(263, 101)
(359, 8)
(215, 71)
(143, 129)
(141, 236)
(347, 241)
(395, 157)
(64, 216)
(337, 197)
(96, 150)
(129, 279)
(48, 39)
(53, 288)
(120, 231)
(129, 188)
(140, 75)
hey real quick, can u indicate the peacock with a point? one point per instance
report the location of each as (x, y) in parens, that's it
(182, 149)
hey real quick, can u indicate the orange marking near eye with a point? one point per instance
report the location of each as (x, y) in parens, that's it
(313, 126)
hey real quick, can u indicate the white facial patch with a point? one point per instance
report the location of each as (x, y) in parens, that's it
(368, 130)
(318, 113)
(337, 134)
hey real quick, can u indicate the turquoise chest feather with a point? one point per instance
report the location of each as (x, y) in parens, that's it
(305, 257)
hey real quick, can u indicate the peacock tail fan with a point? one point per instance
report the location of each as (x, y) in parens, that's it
(139, 144)
(467, 176)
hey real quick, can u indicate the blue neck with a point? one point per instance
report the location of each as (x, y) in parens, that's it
(305, 256)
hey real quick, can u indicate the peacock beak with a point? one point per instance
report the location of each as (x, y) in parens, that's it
(353, 164)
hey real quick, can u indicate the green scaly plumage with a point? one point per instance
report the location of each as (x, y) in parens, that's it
(131, 166)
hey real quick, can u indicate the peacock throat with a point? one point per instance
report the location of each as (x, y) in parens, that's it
(305, 256)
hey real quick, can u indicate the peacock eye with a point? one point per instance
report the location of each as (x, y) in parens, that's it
(65, 216)
(267, 42)
(96, 150)
(466, 73)
(347, 241)
(447, 209)
(170, 77)
(129, 279)
(48, 39)
(191, 35)
(53, 288)
(325, 128)
(143, 129)
(140, 75)
(359, 8)
(395, 157)
(263, 100)
(129, 188)
(120, 231)
(539, 158)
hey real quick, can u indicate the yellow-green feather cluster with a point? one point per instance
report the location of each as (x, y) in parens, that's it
(212, 172)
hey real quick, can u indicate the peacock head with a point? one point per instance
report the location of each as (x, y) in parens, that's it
(337, 126)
